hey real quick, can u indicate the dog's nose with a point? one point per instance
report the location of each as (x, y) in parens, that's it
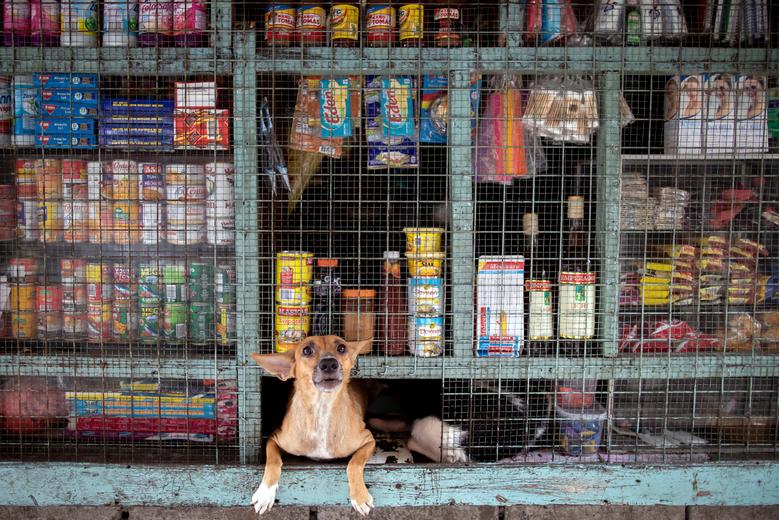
(328, 365)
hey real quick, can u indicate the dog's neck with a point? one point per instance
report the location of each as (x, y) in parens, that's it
(316, 414)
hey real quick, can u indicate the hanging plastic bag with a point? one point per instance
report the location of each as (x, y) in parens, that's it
(549, 20)
(562, 109)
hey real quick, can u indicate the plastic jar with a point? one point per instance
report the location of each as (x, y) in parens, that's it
(358, 314)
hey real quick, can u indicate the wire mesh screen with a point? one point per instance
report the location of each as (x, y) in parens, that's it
(562, 247)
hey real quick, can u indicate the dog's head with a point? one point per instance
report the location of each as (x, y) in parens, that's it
(323, 362)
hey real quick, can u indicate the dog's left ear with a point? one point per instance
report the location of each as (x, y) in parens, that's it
(360, 347)
(280, 365)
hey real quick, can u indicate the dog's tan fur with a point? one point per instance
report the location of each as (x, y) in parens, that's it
(319, 425)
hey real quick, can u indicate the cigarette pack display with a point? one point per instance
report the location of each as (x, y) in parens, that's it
(65, 81)
(66, 141)
(720, 129)
(87, 97)
(152, 107)
(66, 126)
(124, 141)
(683, 128)
(500, 297)
(190, 94)
(63, 110)
(751, 114)
(197, 129)
(125, 130)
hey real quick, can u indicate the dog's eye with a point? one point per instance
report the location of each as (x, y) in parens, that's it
(307, 351)
(341, 348)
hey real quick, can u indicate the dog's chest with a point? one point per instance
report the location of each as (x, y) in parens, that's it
(319, 436)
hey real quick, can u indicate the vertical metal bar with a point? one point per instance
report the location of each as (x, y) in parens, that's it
(511, 17)
(462, 211)
(222, 24)
(607, 218)
(246, 247)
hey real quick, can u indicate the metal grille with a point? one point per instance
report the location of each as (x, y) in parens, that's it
(546, 248)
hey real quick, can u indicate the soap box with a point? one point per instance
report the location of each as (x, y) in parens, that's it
(60, 110)
(500, 306)
(202, 129)
(683, 127)
(66, 81)
(66, 126)
(720, 129)
(86, 98)
(66, 141)
(751, 114)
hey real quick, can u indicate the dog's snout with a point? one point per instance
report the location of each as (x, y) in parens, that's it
(328, 365)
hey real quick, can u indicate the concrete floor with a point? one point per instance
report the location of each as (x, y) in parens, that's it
(397, 513)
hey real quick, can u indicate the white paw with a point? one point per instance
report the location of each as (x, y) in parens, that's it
(264, 497)
(363, 507)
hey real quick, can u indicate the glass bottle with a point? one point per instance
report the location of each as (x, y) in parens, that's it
(327, 293)
(540, 325)
(392, 307)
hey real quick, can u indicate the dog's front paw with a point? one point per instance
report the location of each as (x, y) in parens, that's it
(264, 497)
(362, 502)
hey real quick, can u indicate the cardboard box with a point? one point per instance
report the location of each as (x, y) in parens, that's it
(192, 94)
(751, 114)
(86, 98)
(66, 141)
(64, 110)
(66, 126)
(684, 107)
(202, 129)
(136, 120)
(146, 142)
(720, 114)
(151, 107)
(137, 131)
(66, 81)
(500, 306)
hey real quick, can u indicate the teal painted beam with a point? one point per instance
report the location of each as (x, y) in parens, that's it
(743, 484)
(113, 60)
(378, 367)
(221, 27)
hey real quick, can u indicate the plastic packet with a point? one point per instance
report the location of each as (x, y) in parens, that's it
(385, 151)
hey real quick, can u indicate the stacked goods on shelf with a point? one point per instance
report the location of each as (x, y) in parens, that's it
(55, 111)
(8, 212)
(79, 23)
(205, 411)
(500, 306)
(671, 209)
(389, 129)
(6, 109)
(136, 124)
(198, 123)
(392, 311)
(639, 22)
(294, 273)
(425, 291)
(716, 114)
(736, 23)
(664, 209)
(120, 23)
(666, 336)
(124, 201)
(121, 301)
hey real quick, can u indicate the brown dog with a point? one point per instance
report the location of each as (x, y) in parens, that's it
(325, 415)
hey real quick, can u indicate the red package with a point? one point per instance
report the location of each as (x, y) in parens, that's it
(654, 346)
(673, 329)
(197, 129)
(533, 16)
(699, 342)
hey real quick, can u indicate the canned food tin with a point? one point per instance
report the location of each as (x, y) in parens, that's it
(23, 324)
(98, 321)
(180, 214)
(123, 321)
(27, 227)
(310, 25)
(380, 24)
(292, 323)
(201, 322)
(22, 270)
(74, 296)
(152, 225)
(49, 187)
(151, 184)
(148, 322)
(48, 306)
(97, 272)
(224, 283)
(26, 190)
(411, 22)
(293, 295)
(74, 220)
(22, 297)
(149, 290)
(50, 222)
(426, 336)
(294, 267)
(174, 323)
(73, 269)
(220, 208)
(220, 237)
(426, 296)
(100, 222)
(201, 281)
(185, 174)
(175, 292)
(124, 175)
(279, 24)
(74, 179)
(220, 183)
(126, 222)
(74, 324)
(186, 192)
(423, 240)
(182, 236)
(226, 328)
(344, 23)
(99, 181)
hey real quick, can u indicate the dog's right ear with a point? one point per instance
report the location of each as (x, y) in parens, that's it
(280, 365)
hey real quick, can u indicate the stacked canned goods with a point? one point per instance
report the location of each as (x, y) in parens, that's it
(425, 291)
(48, 305)
(127, 208)
(100, 208)
(220, 204)
(294, 272)
(100, 288)
(151, 189)
(201, 305)
(124, 316)
(22, 276)
(75, 203)
(26, 201)
(186, 209)
(149, 302)
(174, 295)
(226, 298)
(48, 178)
(73, 274)
(7, 212)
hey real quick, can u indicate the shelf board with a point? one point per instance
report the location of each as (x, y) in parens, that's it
(692, 160)
(113, 60)
(379, 367)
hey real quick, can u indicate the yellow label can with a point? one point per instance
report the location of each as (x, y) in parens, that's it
(344, 22)
(411, 22)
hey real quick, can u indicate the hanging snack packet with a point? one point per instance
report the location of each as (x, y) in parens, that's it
(335, 107)
(434, 114)
(397, 107)
(306, 132)
(385, 151)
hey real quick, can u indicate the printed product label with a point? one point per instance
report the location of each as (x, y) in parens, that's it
(155, 16)
(335, 108)
(310, 23)
(120, 17)
(344, 22)
(189, 16)
(397, 107)
(380, 22)
(279, 22)
(411, 22)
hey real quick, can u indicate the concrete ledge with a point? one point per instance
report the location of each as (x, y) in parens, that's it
(60, 513)
(213, 513)
(599, 512)
(733, 513)
(411, 513)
